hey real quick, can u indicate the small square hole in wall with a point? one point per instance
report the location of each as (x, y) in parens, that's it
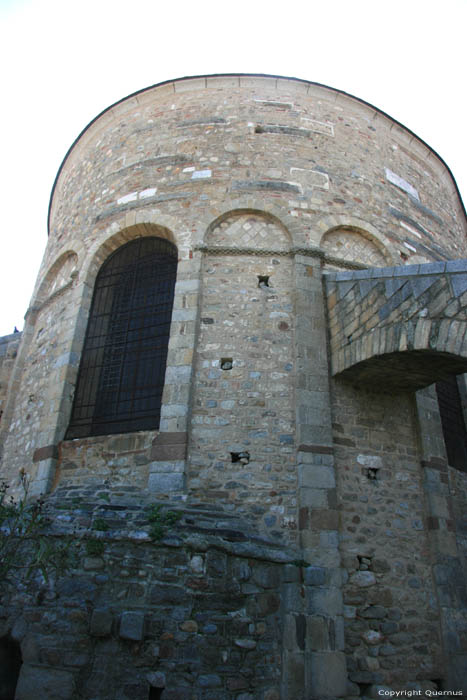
(226, 363)
(263, 281)
(364, 563)
(371, 473)
(242, 457)
(155, 693)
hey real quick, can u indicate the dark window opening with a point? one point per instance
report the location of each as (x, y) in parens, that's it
(453, 422)
(10, 665)
(122, 369)
(155, 693)
(226, 363)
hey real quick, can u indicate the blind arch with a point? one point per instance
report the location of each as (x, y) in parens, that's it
(122, 369)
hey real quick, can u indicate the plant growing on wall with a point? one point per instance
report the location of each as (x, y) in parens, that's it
(160, 521)
(26, 548)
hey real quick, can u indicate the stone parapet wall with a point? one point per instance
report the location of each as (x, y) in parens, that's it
(194, 615)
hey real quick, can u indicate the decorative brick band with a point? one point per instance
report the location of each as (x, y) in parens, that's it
(47, 452)
(310, 252)
(169, 447)
(317, 449)
(225, 250)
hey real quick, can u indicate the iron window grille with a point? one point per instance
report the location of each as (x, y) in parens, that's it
(122, 369)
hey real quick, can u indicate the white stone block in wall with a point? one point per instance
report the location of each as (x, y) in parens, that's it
(318, 127)
(201, 174)
(150, 192)
(401, 183)
(310, 178)
(132, 197)
(274, 103)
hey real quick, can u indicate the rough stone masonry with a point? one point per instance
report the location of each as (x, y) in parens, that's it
(318, 548)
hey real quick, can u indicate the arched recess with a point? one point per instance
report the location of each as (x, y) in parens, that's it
(122, 368)
(231, 206)
(60, 275)
(166, 472)
(370, 243)
(352, 244)
(245, 358)
(250, 229)
(116, 237)
(97, 254)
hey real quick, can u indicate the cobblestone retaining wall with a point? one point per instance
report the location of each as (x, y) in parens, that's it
(193, 615)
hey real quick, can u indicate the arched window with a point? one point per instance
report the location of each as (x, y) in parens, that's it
(122, 370)
(453, 423)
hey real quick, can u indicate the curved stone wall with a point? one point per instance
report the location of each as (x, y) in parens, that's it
(261, 183)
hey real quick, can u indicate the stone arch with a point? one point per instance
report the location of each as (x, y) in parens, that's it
(60, 274)
(174, 413)
(350, 244)
(248, 228)
(414, 329)
(121, 377)
(261, 207)
(365, 244)
(101, 250)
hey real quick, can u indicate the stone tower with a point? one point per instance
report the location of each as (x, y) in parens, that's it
(251, 311)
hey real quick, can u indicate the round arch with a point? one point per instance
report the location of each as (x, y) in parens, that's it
(100, 250)
(248, 228)
(64, 269)
(249, 206)
(334, 222)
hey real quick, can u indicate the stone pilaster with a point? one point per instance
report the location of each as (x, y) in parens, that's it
(319, 637)
(446, 561)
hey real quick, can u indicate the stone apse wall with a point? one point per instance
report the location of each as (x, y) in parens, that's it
(320, 549)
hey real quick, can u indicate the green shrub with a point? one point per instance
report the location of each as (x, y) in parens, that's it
(26, 546)
(160, 521)
(94, 548)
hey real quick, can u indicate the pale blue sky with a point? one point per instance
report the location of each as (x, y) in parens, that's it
(65, 61)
